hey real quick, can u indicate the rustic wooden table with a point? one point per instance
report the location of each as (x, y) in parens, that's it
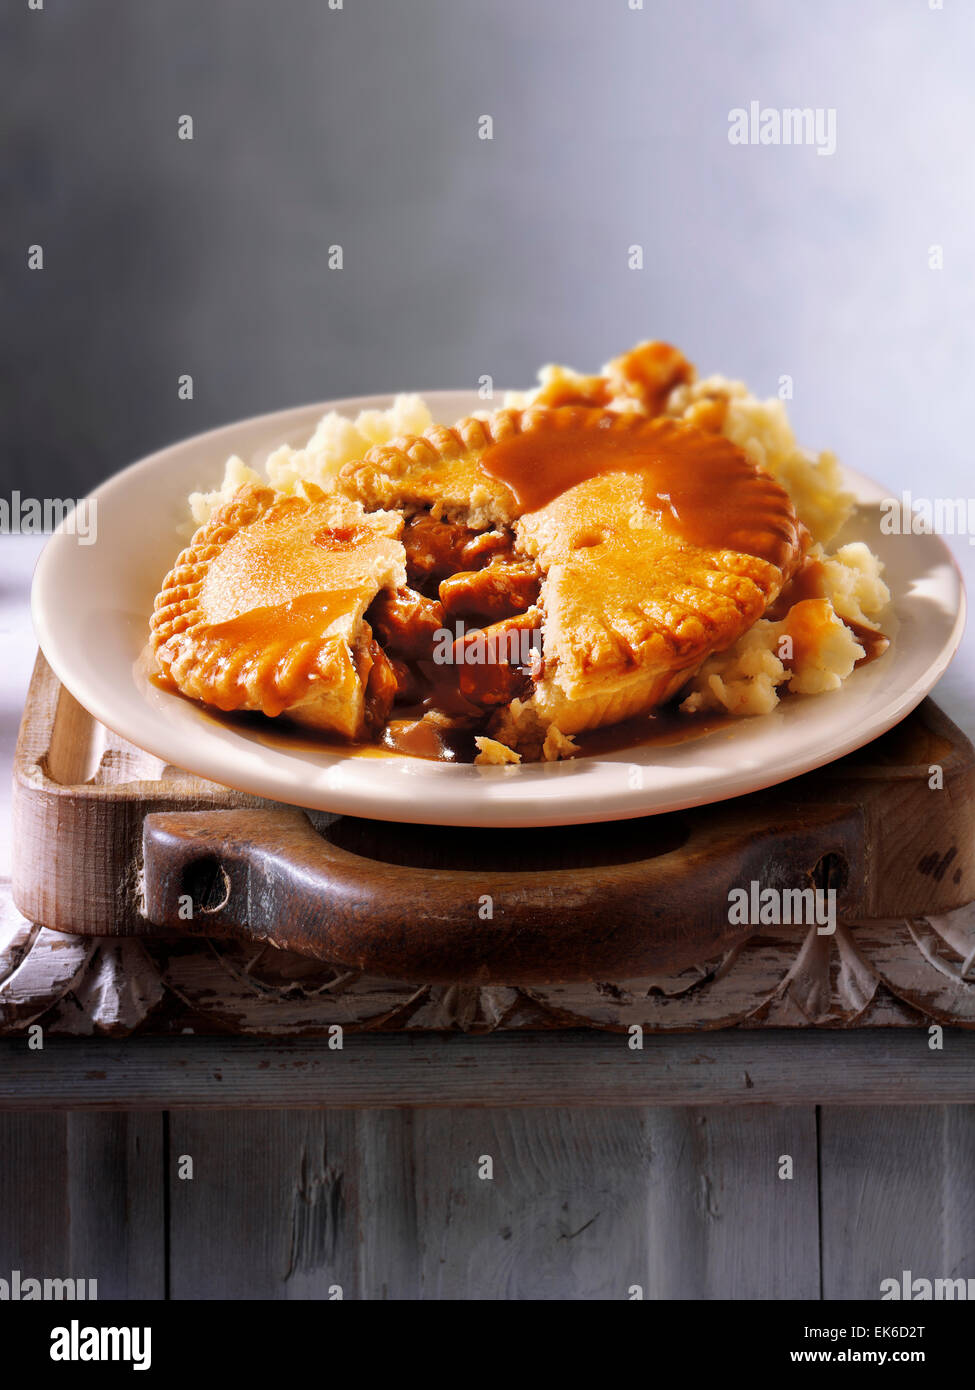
(773, 1163)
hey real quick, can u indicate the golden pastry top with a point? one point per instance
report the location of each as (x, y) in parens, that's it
(695, 485)
(264, 609)
(296, 547)
(597, 473)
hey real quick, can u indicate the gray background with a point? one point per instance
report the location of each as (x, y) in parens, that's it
(464, 256)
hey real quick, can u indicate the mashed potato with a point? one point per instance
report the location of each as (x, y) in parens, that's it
(762, 429)
(745, 679)
(337, 440)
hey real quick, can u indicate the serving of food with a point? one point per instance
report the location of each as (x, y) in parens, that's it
(496, 588)
(607, 596)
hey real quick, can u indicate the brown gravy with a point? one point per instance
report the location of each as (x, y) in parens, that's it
(809, 583)
(665, 727)
(301, 619)
(806, 583)
(873, 642)
(413, 737)
(705, 490)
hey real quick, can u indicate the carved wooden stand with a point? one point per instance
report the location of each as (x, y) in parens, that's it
(82, 796)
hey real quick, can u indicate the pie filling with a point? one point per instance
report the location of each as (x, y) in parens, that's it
(458, 641)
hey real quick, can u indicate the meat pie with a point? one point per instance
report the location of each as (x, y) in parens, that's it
(565, 566)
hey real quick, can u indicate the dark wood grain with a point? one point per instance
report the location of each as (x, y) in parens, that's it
(569, 904)
(589, 1205)
(82, 1198)
(272, 1210)
(578, 1205)
(270, 876)
(884, 1067)
(897, 1193)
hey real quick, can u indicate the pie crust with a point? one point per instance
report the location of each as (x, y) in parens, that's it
(264, 610)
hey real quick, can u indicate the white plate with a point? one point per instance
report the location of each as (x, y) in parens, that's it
(91, 606)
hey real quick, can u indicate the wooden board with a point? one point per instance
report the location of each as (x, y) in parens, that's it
(390, 1205)
(890, 974)
(580, 1205)
(83, 1198)
(82, 797)
(683, 1202)
(896, 1194)
(866, 1068)
(574, 1205)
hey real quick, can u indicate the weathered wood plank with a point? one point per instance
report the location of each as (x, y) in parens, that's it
(560, 1216)
(82, 1198)
(579, 1204)
(389, 1204)
(34, 1226)
(116, 1201)
(897, 1194)
(722, 1222)
(589, 1204)
(288, 1205)
(271, 1209)
(768, 1068)
(959, 1191)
